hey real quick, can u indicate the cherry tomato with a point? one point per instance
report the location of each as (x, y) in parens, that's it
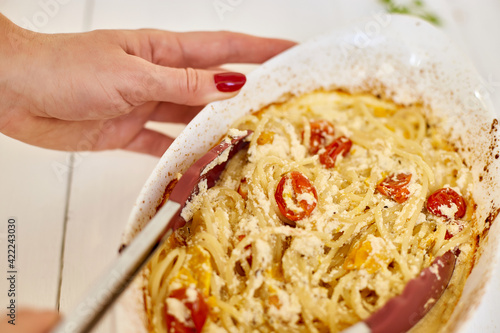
(341, 145)
(443, 199)
(320, 131)
(396, 187)
(198, 313)
(296, 196)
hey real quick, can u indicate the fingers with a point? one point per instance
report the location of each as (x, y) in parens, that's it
(186, 86)
(175, 113)
(29, 321)
(149, 142)
(128, 134)
(166, 66)
(203, 49)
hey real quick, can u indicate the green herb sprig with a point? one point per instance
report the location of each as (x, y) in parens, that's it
(414, 7)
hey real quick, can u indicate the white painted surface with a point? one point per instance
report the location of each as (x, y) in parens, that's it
(105, 185)
(30, 188)
(48, 16)
(31, 192)
(103, 191)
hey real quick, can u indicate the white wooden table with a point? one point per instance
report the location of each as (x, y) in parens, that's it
(71, 208)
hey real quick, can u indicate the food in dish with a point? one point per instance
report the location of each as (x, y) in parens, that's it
(338, 202)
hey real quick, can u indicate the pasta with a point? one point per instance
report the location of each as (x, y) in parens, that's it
(338, 202)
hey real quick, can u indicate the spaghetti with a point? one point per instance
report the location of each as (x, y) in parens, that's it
(338, 202)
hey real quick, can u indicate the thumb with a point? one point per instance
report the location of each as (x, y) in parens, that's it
(189, 86)
(30, 321)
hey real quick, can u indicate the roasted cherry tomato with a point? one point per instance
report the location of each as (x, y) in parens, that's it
(341, 145)
(195, 319)
(396, 187)
(296, 196)
(321, 130)
(445, 202)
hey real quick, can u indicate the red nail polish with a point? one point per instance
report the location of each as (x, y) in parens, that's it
(229, 82)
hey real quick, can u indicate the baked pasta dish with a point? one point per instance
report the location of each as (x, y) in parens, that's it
(338, 201)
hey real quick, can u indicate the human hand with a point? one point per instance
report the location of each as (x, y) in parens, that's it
(96, 90)
(29, 321)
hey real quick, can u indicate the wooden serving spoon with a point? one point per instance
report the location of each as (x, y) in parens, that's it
(402, 312)
(208, 168)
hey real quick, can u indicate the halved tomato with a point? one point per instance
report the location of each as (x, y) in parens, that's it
(321, 130)
(445, 202)
(395, 187)
(195, 316)
(341, 145)
(296, 196)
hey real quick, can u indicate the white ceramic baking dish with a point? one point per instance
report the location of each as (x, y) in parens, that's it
(403, 58)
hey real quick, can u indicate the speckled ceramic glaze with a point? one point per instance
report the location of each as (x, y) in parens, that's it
(399, 57)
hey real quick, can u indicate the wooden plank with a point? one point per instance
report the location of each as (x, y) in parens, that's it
(47, 16)
(104, 189)
(33, 181)
(33, 193)
(278, 18)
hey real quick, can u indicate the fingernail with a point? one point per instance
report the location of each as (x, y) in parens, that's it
(229, 82)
